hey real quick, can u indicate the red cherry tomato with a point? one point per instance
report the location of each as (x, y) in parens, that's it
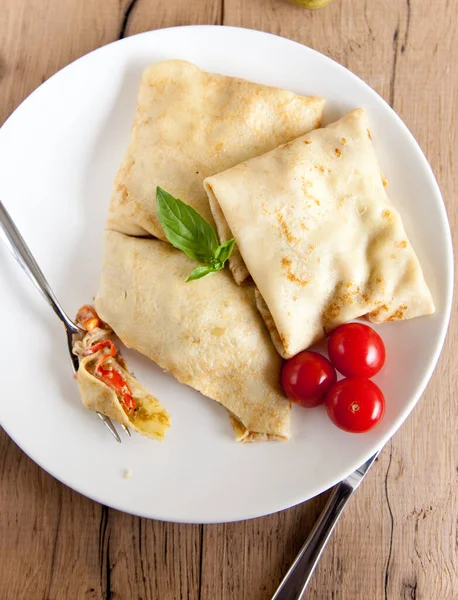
(355, 405)
(356, 350)
(307, 377)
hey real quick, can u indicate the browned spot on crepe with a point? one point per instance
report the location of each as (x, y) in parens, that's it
(123, 193)
(331, 312)
(303, 225)
(286, 264)
(386, 214)
(284, 227)
(399, 313)
(382, 308)
(218, 331)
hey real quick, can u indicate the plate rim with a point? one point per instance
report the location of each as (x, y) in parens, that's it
(449, 270)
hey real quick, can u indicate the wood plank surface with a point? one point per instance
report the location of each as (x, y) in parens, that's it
(399, 536)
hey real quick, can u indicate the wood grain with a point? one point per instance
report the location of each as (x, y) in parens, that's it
(399, 536)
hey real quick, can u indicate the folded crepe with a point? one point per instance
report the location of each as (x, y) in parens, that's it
(107, 386)
(207, 333)
(191, 124)
(319, 236)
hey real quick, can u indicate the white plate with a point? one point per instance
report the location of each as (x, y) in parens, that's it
(59, 153)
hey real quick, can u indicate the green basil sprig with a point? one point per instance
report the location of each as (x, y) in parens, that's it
(188, 231)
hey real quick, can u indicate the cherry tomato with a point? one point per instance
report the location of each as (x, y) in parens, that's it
(307, 377)
(356, 350)
(355, 405)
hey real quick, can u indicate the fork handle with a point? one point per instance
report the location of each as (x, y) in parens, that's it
(297, 578)
(22, 254)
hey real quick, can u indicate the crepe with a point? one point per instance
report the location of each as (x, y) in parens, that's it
(207, 333)
(191, 124)
(150, 420)
(319, 236)
(144, 414)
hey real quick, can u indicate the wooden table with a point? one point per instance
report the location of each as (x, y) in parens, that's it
(399, 536)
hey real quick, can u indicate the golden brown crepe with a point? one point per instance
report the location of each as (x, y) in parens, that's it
(191, 124)
(207, 333)
(146, 417)
(319, 236)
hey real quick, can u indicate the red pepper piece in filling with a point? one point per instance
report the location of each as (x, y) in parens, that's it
(115, 380)
(112, 377)
(100, 346)
(88, 318)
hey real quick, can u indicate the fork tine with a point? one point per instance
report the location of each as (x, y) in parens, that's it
(127, 430)
(109, 425)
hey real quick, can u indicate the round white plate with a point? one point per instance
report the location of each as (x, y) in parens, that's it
(59, 153)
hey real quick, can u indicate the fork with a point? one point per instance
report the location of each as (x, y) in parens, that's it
(297, 578)
(19, 249)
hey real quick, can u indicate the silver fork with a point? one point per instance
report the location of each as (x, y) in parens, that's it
(19, 249)
(297, 578)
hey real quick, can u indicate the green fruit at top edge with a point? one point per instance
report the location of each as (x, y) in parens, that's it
(311, 4)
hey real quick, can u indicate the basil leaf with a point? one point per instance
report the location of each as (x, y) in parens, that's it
(200, 272)
(185, 228)
(188, 231)
(224, 251)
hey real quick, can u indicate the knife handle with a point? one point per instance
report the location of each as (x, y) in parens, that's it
(296, 579)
